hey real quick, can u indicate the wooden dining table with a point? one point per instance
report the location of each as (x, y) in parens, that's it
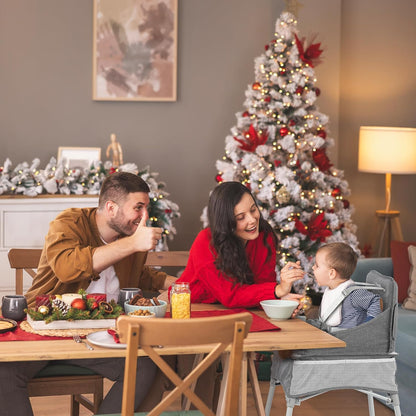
(294, 334)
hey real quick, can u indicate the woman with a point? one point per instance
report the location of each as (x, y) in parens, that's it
(233, 262)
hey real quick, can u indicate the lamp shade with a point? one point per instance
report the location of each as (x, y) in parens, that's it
(387, 150)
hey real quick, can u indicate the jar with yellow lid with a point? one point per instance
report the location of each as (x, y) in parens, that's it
(180, 301)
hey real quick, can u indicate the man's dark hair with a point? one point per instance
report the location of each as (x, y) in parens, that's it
(118, 185)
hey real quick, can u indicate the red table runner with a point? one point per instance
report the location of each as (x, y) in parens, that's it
(259, 324)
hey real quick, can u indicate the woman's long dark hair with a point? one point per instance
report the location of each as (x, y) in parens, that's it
(231, 255)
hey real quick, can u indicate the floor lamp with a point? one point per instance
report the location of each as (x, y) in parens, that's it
(387, 150)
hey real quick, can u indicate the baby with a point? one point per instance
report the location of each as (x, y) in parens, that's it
(334, 264)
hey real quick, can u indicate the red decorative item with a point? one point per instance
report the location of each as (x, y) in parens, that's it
(322, 133)
(79, 304)
(266, 47)
(257, 86)
(282, 71)
(284, 131)
(309, 55)
(218, 178)
(346, 203)
(317, 92)
(299, 90)
(321, 160)
(292, 123)
(252, 139)
(317, 229)
(336, 192)
(267, 99)
(44, 300)
(277, 163)
(99, 297)
(246, 114)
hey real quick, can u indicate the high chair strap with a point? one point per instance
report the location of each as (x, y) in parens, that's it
(345, 293)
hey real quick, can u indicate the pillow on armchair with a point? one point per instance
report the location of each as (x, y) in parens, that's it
(410, 301)
(401, 266)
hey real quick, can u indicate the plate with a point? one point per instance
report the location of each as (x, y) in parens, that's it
(7, 325)
(104, 339)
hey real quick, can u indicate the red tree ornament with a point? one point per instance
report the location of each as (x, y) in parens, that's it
(322, 133)
(284, 131)
(317, 228)
(252, 139)
(321, 159)
(218, 178)
(256, 86)
(310, 55)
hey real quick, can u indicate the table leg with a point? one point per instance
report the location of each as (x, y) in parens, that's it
(254, 381)
(243, 387)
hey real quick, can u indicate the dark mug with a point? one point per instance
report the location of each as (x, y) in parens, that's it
(128, 293)
(13, 307)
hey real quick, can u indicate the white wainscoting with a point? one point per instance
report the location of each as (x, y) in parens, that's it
(24, 223)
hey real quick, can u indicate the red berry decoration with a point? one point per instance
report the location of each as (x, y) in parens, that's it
(284, 131)
(246, 114)
(346, 203)
(218, 178)
(256, 86)
(317, 92)
(292, 123)
(79, 304)
(299, 90)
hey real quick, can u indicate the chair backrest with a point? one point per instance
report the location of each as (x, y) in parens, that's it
(23, 259)
(27, 259)
(152, 334)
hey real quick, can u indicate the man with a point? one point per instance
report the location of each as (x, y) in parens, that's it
(99, 250)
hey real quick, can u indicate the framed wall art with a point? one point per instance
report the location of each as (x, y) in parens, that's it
(78, 157)
(135, 50)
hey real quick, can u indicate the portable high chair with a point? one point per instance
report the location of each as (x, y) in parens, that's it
(366, 364)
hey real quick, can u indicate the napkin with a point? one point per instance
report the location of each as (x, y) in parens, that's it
(114, 335)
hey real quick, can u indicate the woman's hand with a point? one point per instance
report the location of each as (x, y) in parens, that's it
(297, 298)
(289, 274)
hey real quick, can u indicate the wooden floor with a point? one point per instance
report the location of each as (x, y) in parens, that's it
(339, 403)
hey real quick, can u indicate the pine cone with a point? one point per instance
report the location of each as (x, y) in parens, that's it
(61, 306)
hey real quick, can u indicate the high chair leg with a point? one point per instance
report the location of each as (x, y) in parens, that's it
(370, 400)
(270, 396)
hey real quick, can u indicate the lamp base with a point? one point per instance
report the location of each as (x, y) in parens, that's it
(388, 228)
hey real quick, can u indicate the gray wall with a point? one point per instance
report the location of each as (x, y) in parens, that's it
(45, 79)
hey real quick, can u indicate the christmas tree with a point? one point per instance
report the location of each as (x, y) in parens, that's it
(278, 149)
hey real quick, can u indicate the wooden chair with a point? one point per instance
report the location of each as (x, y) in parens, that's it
(57, 379)
(218, 332)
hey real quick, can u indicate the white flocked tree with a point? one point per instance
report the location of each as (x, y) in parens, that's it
(278, 149)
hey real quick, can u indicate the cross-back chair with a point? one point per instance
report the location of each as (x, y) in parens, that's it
(57, 379)
(154, 334)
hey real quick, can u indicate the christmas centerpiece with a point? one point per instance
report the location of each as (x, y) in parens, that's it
(73, 310)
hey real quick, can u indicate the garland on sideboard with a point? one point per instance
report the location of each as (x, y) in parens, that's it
(55, 178)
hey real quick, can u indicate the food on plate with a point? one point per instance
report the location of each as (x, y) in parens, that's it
(140, 300)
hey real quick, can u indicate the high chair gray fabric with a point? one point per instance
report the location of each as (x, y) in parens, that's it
(366, 364)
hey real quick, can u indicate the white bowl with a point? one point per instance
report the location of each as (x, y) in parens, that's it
(152, 315)
(279, 309)
(159, 311)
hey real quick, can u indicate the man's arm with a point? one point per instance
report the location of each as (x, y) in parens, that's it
(143, 239)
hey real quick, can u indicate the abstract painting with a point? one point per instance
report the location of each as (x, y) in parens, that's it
(135, 50)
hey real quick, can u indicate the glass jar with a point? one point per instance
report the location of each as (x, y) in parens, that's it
(180, 301)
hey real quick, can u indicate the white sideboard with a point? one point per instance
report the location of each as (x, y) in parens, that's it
(24, 223)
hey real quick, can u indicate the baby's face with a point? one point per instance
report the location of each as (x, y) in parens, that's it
(321, 269)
